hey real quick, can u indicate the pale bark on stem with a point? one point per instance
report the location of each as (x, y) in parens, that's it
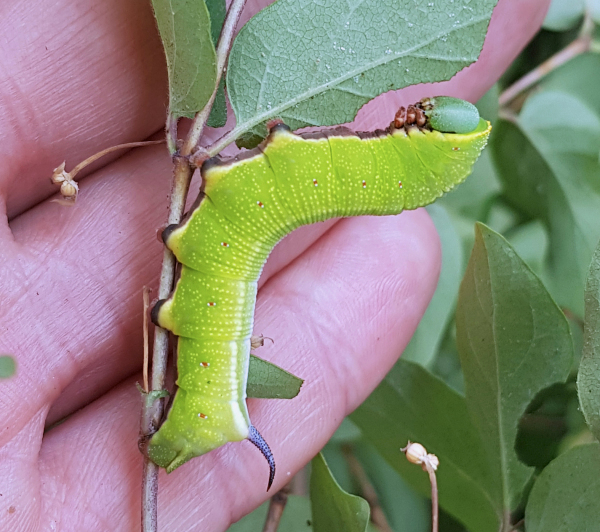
(146, 300)
(153, 408)
(182, 173)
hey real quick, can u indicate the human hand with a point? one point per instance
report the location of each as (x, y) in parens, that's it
(341, 299)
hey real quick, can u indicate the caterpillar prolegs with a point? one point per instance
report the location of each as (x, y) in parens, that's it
(246, 205)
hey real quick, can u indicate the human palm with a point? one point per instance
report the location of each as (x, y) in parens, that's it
(340, 299)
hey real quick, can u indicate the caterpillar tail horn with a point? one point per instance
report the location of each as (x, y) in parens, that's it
(259, 442)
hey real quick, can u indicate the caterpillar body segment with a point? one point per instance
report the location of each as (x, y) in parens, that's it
(247, 205)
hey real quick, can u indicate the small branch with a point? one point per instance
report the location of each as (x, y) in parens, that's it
(171, 134)
(367, 489)
(223, 47)
(225, 141)
(577, 47)
(146, 299)
(102, 153)
(68, 186)
(276, 507)
(152, 411)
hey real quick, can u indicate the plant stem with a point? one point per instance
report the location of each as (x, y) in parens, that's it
(225, 141)
(146, 299)
(276, 507)
(434, 498)
(575, 48)
(171, 134)
(152, 410)
(102, 153)
(225, 40)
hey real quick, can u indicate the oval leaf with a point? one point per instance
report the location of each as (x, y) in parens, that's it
(268, 381)
(588, 379)
(217, 11)
(565, 496)
(513, 341)
(333, 509)
(317, 63)
(184, 27)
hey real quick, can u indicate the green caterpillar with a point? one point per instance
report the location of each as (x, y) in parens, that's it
(247, 204)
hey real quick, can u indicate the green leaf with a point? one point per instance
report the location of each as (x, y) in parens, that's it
(184, 27)
(217, 11)
(564, 14)
(411, 404)
(557, 173)
(268, 381)
(530, 241)
(565, 496)
(317, 63)
(425, 342)
(513, 341)
(332, 508)
(588, 379)
(8, 366)
(295, 517)
(556, 178)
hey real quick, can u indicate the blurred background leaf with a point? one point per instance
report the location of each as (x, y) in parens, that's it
(565, 496)
(513, 342)
(333, 509)
(588, 380)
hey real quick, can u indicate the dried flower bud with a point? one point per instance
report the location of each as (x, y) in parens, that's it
(415, 453)
(59, 175)
(434, 461)
(259, 341)
(69, 189)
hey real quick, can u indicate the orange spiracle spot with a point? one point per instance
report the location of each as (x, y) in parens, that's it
(315, 183)
(364, 184)
(260, 204)
(204, 364)
(211, 304)
(225, 244)
(399, 184)
(455, 148)
(202, 416)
